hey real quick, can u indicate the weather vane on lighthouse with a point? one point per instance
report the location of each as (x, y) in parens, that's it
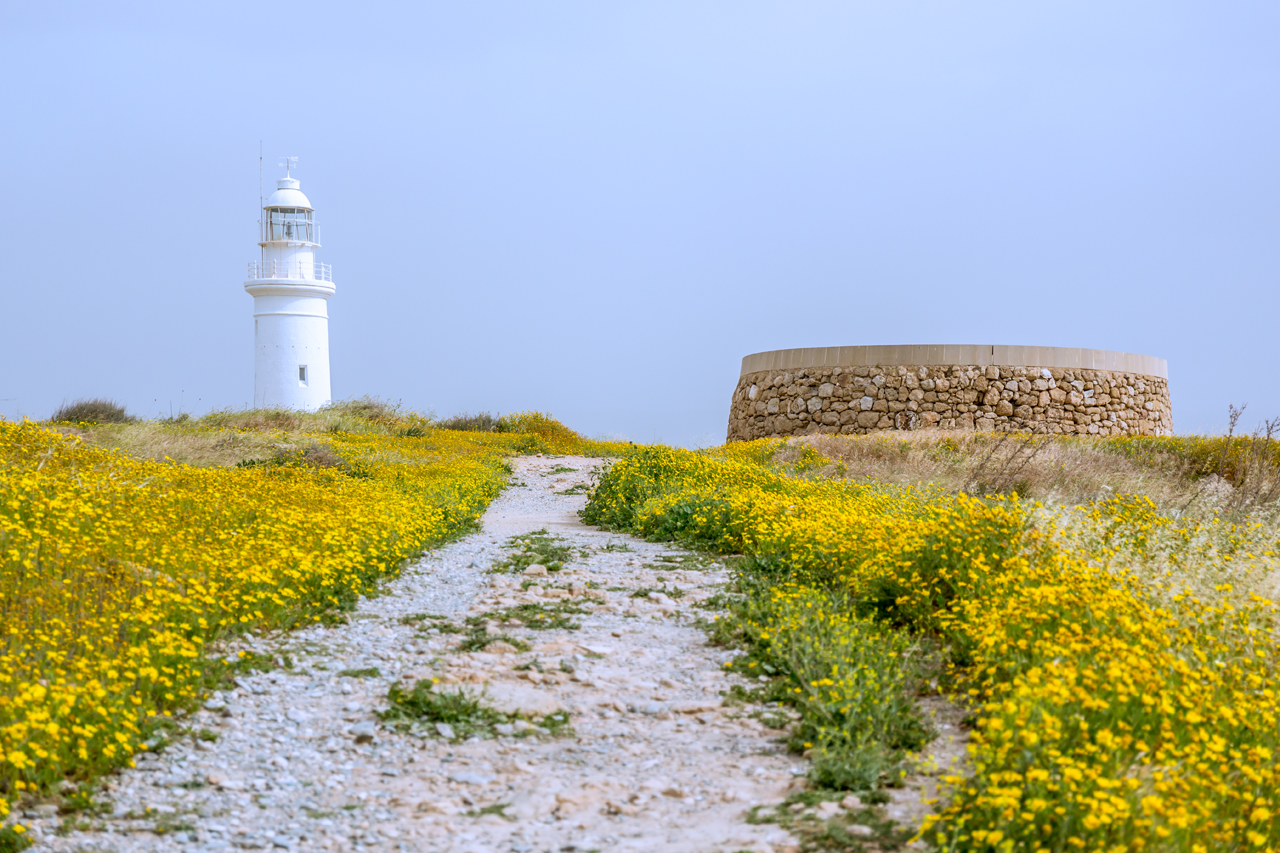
(290, 291)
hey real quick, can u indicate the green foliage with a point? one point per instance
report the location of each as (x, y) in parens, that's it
(462, 711)
(853, 681)
(14, 838)
(536, 615)
(536, 547)
(478, 639)
(670, 592)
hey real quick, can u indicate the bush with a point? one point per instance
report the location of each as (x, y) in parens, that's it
(98, 410)
(479, 422)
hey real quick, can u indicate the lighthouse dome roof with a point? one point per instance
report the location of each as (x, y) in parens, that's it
(287, 194)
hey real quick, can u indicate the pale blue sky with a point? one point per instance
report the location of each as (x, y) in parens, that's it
(597, 209)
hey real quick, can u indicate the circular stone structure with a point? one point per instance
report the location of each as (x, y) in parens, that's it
(851, 390)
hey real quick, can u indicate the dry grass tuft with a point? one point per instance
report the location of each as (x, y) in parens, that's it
(190, 445)
(479, 422)
(1058, 470)
(97, 410)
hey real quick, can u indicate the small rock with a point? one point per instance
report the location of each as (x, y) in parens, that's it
(537, 570)
(828, 810)
(436, 807)
(851, 802)
(297, 715)
(518, 699)
(500, 647)
(859, 829)
(364, 732)
(696, 707)
(522, 725)
(470, 778)
(446, 731)
(505, 729)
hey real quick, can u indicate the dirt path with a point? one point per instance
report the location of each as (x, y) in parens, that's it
(300, 760)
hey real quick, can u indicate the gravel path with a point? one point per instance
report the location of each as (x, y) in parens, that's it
(654, 762)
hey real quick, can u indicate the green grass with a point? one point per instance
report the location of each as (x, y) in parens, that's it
(536, 547)
(536, 615)
(419, 708)
(833, 834)
(367, 672)
(478, 639)
(670, 592)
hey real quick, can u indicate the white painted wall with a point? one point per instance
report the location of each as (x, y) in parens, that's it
(290, 320)
(291, 328)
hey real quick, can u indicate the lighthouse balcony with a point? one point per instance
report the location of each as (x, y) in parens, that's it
(305, 270)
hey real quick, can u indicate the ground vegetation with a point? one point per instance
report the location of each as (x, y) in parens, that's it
(128, 549)
(1116, 651)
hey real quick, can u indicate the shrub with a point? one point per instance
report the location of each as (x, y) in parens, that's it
(1114, 708)
(479, 422)
(98, 410)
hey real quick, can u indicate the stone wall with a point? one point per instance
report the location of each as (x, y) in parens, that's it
(862, 399)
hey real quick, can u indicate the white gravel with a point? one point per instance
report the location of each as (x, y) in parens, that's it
(655, 761)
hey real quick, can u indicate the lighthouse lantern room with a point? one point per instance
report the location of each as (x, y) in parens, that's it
(290, 291)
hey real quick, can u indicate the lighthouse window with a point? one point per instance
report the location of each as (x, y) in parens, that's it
(302, 374)
(289, 223)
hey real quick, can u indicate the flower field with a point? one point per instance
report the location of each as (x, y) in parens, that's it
(117, 573)
(1117, 705)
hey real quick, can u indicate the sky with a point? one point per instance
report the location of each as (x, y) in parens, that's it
(597, 209)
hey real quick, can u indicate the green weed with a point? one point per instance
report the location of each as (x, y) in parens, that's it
(465, 713)
(536, 547)
(536, 615)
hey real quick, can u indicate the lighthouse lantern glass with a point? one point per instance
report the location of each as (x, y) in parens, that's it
(291, 224)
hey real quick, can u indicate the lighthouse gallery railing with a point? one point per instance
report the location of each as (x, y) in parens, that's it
(295, 269)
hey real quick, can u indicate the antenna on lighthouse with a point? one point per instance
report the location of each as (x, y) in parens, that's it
(289, 163)
(261, 230)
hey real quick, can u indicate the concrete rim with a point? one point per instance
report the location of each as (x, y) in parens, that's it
(1068, 358)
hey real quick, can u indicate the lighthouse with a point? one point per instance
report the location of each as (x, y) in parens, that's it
(290, 291)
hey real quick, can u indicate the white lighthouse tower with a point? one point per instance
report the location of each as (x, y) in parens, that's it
(290, 292)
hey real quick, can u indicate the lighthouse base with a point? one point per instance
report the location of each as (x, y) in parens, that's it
(291, 345)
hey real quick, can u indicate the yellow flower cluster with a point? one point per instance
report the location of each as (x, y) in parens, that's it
(1115, 713)
(116, 573)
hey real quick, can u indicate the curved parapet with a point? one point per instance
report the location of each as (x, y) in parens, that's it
(860, 389)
